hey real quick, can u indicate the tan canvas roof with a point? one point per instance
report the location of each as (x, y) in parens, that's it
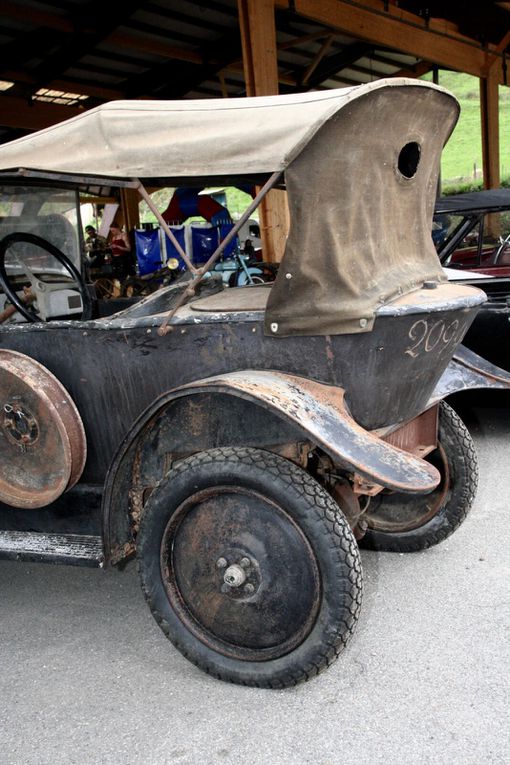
(361, 193)
(361, 198)
(187, 139)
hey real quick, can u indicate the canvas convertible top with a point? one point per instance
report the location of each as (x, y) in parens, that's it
(185, 139)
(360, 164)
(474, 201)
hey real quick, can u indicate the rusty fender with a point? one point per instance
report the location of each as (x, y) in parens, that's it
(295, 407)
(320, 411)
(467, 371)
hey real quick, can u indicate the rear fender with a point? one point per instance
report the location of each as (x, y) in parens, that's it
(467, 371)
(249, 408)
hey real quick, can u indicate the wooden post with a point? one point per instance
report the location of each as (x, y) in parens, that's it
(130, 199)
(489, 106)
(258, 37)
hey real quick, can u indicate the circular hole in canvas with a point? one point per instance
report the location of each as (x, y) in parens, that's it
(409, 159)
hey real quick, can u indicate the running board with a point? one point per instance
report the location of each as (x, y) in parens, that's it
(71, 549)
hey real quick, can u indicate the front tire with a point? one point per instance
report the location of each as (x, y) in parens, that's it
(249, 567)
(408, 523)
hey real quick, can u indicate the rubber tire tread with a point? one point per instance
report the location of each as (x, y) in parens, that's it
(463, 466)
(320, 519)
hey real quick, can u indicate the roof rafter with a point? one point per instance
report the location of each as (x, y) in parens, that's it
(76, 45)
(397, 29)
(333, 64)
(172, 81)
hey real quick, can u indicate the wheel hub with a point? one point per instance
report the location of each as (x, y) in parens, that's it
(20, 425)
(238, 579)
(240, 573)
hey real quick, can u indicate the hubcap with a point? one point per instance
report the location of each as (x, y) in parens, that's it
(240, 573)
(20, 426)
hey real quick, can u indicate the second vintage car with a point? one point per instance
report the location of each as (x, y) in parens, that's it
(472, 235)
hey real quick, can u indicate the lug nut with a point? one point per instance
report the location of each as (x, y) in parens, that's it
(234, 576)
(245, 562)
(249, 589)
(221, 563)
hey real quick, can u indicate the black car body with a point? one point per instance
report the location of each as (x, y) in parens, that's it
(472, 235)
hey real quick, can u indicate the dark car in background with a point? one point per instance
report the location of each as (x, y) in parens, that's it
(471, 233)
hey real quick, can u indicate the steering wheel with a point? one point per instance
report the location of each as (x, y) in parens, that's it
(10, 292)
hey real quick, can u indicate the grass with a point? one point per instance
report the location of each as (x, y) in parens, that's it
(461, 162)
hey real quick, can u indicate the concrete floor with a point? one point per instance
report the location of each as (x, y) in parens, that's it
(87, 677)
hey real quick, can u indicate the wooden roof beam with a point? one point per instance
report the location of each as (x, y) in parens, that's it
(332, 65)
(295, 42)
(35, 115)
(68, 85)
(123, 39)
(398, 30)
(418, 70)
(326, 45)
(155, 46)
(39, 18)
(500, 48)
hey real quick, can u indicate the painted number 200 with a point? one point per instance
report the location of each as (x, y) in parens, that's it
(426, 336)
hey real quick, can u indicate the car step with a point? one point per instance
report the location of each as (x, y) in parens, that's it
(73, 549)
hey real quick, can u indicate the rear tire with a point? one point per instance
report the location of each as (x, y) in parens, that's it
(249, 567)
(408, 523)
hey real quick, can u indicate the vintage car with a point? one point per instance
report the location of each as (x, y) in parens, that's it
(472, 236)
(240, 441)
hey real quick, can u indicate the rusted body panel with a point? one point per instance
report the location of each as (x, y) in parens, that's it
(281, 410)
(321, 412)
(419, 436)
(113, 372)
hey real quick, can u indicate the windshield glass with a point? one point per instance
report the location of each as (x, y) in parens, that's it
(444, 226)
(46, 212)
(479, 240)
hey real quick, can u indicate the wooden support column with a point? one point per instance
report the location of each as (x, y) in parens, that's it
(489, 106)
(258, 37)
(129, 201)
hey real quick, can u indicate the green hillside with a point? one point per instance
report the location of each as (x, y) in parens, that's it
(463, 152)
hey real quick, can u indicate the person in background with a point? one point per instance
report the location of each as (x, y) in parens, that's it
(121, 251)
(249, 250)
(95, 247)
